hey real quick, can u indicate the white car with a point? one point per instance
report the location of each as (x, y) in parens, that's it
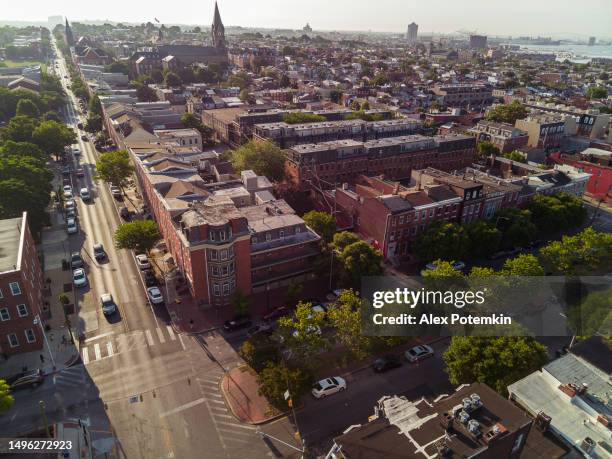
(418, 353)
(155, 295)
(108, 304)
(115, 191)
(67, 192)
(71, 226)
(143, 261)
(328, 386)
(79, 278)
(85, 194)
(69, 205)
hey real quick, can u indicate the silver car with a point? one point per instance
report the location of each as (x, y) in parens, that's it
(108, 304)
(79, 278)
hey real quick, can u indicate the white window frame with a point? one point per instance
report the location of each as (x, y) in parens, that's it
(33, 340)
(212, 235)
(1, 295)
(224, 254)
(281, 234)
(11, 285)
(298, 229)
(11, 342)
(4, 311)
(19, 310)
(213, 255)
(216, 289)
(226, 288)
(215, 270)
(268, 237)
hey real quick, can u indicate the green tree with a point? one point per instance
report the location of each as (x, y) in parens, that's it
(515, 156)
(480, 271)
(264, 158)
(516, 226)
(588, 252)
(335, 96)
(240, 80)
(172, 80)
(294, 290)
(484, 238)
(52, 116)
(258, 351)
(157, 76)
(343, 239)
(597, 92)
(524, 264)
(189, 120)
(322, 223)
(52, 137)
(95, 106)
(6, 399)
(593, 315)
(26, 107)
(139, 235)
(443, 240)
(114, 167)
(284, 81)
(145, 93)
(495, 361)
(19, 129)
(118, 67)
(360, 259)
(94, 123)
(241, 303)
(276, 379)
(345, 317)
(301, 333)
(301, 117)
(442, 269)
(557, 212)
(507, 113)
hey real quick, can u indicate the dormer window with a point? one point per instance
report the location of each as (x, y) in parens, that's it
(212, 235)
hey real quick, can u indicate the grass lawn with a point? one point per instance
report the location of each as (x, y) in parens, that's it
(25, 63)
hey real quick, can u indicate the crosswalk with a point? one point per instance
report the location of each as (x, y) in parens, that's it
(117, 344)
(234, 436)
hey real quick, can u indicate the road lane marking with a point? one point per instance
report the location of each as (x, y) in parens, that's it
(184, 407)
(160, 335)
(182, 343)
(98, 337)
(171, 332)
(85, 356)
(109, 348)
(149, 337)
(236, 425)
(97, 351)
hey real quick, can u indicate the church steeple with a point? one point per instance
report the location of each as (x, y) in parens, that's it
(69, 36)
(218, 31)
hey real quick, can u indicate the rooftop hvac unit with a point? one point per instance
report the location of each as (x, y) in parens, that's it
(467, 404)
(588, 445)
(456, 409)
(464, 417)
(474, 427)
(476, 402)
(542, 421)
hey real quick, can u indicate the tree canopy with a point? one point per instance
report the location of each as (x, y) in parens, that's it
(486, 149)
(443, 240)
(507, 113)
(360, 259)
(114, 167)
(301, 117)
(139, 235)
(275, 379)
(322, 223)
(6, 399)
(264, 158)
(301, 333)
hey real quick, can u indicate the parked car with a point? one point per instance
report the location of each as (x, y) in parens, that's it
(108, 304)
(66, 170)
(80, 125)
(418, 353)
(67, 192)
(71, 213)
(124, 213)
(72, 226)
(386, 363)
(115, 191)
(264, 328)
(80, 172)
(76, 152)
(98, 251)
(149, 278)
(32, 379)
(76, 261)
(328, 386)
(142, 261)
(79, 278)
(69, 205)
(85, 194)
(155, 295)
(84, 138)
(237, 323)
(277, 313)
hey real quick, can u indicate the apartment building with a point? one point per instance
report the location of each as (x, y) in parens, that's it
(21, 287)
(544, 130)
(320, 165)
(588, 123)
(224, 233)
(462, 95)
(597, 163)
(183, 137)
(478, 41)
(504, 136)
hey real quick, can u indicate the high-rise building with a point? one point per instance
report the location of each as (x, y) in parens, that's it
(218, 30)
(478, 41)
(69, 36)
(411, 34)
(592, 41)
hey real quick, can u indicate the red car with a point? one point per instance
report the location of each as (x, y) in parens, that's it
(276, 313)
(80, 172)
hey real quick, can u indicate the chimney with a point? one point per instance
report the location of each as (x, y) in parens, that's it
(396, 188)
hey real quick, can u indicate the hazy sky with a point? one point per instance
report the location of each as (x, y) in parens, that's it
(503, 17)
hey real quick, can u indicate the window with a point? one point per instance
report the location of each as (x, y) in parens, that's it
(517, 443)
(216, 290)
(212, 235)
(401, 220)
(30, 336)
(226, 288)
(4, 315)
(431, 213)
(254, 239)
(213, 254)
(13, 341)
(22, 310)
(1, 295)
(215, 270)
(15, 289)
(268, 237)
(224, 254)
(298, 229)
(222, 235)
(281, 234)
(224, 270)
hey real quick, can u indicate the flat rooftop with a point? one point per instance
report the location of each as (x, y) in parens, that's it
(10, 234)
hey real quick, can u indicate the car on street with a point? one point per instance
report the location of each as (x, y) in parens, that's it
(237, 323)
(328, 386)
(71, 226)
(115, 191)
(71, 213)
(76, 151)
(69, 205)
(67, 192)
(99, 253)
(155, 295)
(80, 172)
(142, 261)
(124, 213)
(84, 138)
(264, 328)
(66, 170)
(76, 261)
(108, 304)
(80, 125)
(418, 353)
(79, 278)
(85, 194)
(32, 379)
(149, 278)
(386, 363)
(277, 313)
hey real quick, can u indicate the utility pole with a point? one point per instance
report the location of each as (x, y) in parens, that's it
(44, 418)
(38, 321)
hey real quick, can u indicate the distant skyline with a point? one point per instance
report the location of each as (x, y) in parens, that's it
(518, 17)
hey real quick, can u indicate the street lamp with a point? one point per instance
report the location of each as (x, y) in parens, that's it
(38, 321)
